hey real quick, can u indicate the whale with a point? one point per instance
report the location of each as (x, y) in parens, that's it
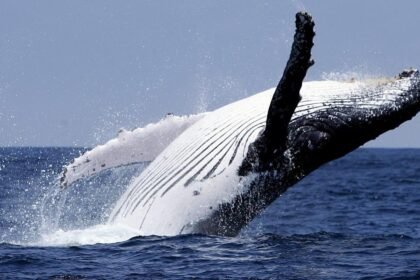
(214, 172)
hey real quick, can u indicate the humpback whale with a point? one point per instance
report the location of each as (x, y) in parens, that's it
(213, 173)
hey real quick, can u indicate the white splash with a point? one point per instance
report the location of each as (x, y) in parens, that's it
(93, 235)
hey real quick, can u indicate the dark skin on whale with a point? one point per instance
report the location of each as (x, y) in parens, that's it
(285, 152)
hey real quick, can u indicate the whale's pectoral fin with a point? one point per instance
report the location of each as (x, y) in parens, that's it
(271, 143)
(129, 147)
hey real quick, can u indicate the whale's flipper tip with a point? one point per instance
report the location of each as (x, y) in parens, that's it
(304, 16)
(408, 73)
(63, 179)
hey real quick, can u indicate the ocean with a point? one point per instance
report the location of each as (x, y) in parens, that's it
(355, 218)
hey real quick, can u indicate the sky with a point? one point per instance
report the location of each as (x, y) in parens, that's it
(72, 73)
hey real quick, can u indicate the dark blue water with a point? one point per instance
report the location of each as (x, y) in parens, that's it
(355, 218)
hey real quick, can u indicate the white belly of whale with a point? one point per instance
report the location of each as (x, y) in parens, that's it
(198, 170)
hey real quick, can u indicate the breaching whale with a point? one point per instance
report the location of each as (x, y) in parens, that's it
(213, 173)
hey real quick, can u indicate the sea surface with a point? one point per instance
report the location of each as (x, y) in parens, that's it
(354, 218)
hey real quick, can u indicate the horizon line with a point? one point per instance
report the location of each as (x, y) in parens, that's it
(82, 147)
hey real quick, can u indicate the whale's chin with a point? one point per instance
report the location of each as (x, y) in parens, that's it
(348, 122)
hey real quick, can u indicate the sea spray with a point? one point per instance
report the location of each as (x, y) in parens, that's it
(78, 214)
(40, 212)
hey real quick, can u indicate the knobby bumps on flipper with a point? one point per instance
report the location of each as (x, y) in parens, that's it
(267, 151)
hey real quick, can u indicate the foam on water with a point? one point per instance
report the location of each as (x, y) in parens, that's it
(93, 235)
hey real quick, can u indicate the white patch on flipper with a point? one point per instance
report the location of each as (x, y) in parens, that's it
(139, 145)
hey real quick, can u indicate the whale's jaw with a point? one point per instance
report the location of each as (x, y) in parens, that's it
(347, 123)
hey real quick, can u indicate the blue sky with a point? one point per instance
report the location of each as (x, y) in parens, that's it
(73, 72)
